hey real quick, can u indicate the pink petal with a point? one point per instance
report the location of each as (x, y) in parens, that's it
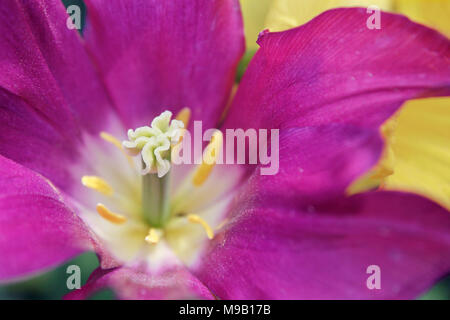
(335, 70)
(49, 90)
(37, 230)
(283, 252)
(136, 284)
(32, 141)
(44, 63)
(316, 163)
(166, 55)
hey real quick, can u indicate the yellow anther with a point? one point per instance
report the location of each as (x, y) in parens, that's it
(109, 215)
(153, 236)
(210, 156)
(107, 137)
(193, 218)
(202, 174)
(98, 184)
(114, 141)
(184, 116)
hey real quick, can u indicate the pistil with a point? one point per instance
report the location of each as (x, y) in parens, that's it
(154, 145)
(155, 199)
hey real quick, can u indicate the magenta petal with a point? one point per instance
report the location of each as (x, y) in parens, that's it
(30, 140)
(48, 88)
(166, 55)
(130, 283)
(335, 70)
(316, 164)
(37, 230)
(283, 253)
(45, 64)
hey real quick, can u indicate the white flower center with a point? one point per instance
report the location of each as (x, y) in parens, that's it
(140, 215)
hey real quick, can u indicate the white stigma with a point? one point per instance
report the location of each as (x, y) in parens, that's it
(154, 143)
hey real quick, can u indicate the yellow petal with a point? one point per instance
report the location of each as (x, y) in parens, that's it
(287, 14)
(254, 13)
(421, 144)
(416, 157)
(433, 13)
(417, 152)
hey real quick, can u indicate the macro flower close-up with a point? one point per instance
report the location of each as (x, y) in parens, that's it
(135, 133)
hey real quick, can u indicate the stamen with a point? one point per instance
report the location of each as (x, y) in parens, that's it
(193, 218)
(107, 137)
(98, 184)
(209, 159)
(153, 236)
(222, 224)
(114, 141)
(109, 215)
(184, 116)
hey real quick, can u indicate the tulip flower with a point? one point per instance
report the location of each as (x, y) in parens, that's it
(89, 124)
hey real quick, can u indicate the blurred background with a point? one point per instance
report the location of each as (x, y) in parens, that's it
(52, 284)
